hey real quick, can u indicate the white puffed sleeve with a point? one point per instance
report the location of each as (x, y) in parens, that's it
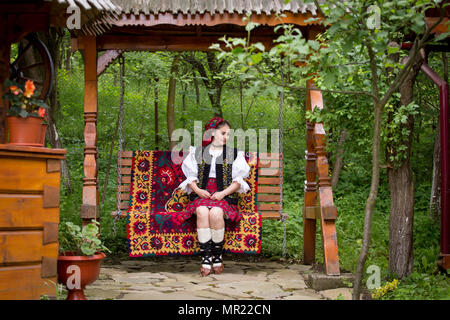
(190, 170)
(240, 171)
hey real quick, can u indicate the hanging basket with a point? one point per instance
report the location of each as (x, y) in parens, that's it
(28, 131)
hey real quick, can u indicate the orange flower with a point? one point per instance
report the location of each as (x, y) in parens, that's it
(15, 90)
(41, 112)
(29, 89)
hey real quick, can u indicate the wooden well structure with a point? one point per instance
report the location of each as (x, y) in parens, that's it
(30, 176)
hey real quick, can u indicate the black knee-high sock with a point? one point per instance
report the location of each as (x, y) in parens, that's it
(205, 243)
(218, 241)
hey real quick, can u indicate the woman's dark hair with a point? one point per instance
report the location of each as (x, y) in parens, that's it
(224, 122)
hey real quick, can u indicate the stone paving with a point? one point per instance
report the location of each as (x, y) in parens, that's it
(178, 278)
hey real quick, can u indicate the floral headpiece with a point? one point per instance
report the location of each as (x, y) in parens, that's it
(213, 123)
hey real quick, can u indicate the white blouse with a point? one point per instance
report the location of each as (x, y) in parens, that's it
(240, 169)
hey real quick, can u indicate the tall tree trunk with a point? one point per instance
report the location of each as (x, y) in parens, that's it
(217, 107)
(375, 180)
(401, 186)
(197, 90)
(241, 102)
(68, 54)
(183, 102)
(339, 161)
(208, 72)
(171, 101)
(435, 199)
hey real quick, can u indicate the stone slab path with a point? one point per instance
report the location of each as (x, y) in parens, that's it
(178, 278)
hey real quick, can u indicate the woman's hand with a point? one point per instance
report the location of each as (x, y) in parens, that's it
(203, 194)
(218, 195)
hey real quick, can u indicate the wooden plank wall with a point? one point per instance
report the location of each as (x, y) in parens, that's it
(29, 217)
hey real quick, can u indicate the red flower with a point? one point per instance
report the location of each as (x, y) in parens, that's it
(15, 90)
(29, 89)
(41, 112)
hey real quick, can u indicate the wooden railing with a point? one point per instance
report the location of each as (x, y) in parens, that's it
(318, 202)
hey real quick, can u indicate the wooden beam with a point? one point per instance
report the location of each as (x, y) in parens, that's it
(162, 42)
(106, 59)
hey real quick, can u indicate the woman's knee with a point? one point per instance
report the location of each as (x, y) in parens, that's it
(216, 214)
(202, 212)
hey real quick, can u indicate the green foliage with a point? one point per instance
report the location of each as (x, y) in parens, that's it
(81, 241)
(396, 132)
(421, 286)
(260, 103)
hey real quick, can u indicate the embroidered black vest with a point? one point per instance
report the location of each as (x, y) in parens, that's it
(223, 171)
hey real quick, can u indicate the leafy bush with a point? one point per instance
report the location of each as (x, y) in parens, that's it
(80, 241)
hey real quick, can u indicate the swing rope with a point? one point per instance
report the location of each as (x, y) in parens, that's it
(283, 216)
(120, 145)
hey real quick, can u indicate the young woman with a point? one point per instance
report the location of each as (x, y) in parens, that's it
(214, 174)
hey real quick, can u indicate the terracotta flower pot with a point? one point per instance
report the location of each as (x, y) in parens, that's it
(43, 131)
(25, 131)
(76, 272)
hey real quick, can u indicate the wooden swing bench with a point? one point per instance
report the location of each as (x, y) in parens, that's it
(269, 184)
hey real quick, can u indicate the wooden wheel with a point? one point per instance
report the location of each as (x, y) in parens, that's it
(34, 62)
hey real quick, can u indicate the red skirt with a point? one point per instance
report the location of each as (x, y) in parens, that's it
(230, 211)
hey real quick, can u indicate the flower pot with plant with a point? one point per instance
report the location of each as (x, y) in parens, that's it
(81, 254)
(25, 115)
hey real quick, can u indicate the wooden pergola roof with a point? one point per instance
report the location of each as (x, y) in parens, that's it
(214, 6)
(177, 25)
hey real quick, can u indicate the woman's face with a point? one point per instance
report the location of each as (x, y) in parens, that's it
(221, 135)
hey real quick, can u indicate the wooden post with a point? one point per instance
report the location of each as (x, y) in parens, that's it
(310, 203)
(309, 221)
(328, 212)
(89, 208)
(5, 49)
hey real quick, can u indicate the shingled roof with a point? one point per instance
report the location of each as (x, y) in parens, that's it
(99, 15)
(95, 14)
(214, 6)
